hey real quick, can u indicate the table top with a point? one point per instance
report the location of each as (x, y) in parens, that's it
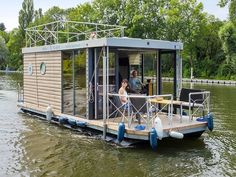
(163, 101)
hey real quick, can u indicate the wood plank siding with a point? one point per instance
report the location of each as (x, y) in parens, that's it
(41, 90)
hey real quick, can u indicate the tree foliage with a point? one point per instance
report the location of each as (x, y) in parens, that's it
(26, 15)
(228, 36)
(209, 43)
(232, 11)
(14, 45)
(3, 52)
(2, 27)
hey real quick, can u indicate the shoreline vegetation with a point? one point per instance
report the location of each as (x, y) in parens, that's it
(167, 79)
(209, 43)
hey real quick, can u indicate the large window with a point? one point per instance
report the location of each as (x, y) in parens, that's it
(80, 83)
(74, 82)
(167, 68)
(149, 70)
(67, 103)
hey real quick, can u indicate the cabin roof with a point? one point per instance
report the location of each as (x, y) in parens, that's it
(119, 42)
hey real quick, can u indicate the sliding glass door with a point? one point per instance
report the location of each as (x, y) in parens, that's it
(74, 82)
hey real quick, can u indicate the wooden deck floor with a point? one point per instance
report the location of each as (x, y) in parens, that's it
(176, 125)
(112, 123)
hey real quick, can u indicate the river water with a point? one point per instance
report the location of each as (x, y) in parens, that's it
(32, 147)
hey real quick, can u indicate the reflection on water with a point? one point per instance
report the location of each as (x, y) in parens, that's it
(32, 147)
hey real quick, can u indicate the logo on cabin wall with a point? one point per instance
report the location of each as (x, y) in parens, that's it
(30, 69)
(42, 68)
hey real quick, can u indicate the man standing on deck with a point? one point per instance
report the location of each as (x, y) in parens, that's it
(135, 83)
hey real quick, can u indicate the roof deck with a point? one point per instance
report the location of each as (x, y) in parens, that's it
(67, 35)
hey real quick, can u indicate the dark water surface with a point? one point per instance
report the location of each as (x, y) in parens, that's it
(31, 147)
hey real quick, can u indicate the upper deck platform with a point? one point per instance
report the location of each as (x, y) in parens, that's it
(122, 42)
(67, 35)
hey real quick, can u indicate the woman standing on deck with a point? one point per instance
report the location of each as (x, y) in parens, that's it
(122, 92)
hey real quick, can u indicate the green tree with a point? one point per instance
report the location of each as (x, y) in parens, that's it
(223, 3)
(82, 13)
(14, 45)
(175, 20)
(228, 36)
(5, 35)
(232, 11)
(184, 21)
(108, 12)
(54, 14)
(38, 14)
(26, 15)
(3, 53)
(209, 53)
(2, 27)
(144, 20)
(232, 8)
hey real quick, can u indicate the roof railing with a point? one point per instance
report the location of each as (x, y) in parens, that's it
(69, 31)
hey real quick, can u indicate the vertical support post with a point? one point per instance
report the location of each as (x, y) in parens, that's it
(208, 102)
(171, 110)
(122, 32)
(89, 78)
(189, 108)
(26, 38)
(57, 35)
(95, 83)
(67, 30)
(178, 73)
(62, 83)
(104, 72)
(142, 64)
(87, 82)
(107, 70)
(129, 114)
(73, 80)
(175, 74)
(158, 73)
(117, 69)
(148, 115)
(179, 61)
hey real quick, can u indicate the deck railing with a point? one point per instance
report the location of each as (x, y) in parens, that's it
(20, 93)
(139, 109)
(197, 107)
(69, 31)
(144, 109)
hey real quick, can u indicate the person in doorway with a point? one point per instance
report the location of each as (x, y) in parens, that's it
(135, 83)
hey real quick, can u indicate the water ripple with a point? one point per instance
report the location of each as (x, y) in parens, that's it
(32, 147)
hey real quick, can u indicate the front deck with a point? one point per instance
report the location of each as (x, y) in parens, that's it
(135, 117)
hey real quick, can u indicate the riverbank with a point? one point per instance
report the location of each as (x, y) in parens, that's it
(8, 71)
(207, 81)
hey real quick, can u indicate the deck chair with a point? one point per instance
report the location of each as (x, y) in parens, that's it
(196, 100)
(139, 107)
(119, 109)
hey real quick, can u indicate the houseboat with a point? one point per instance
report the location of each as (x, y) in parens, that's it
(73, 72)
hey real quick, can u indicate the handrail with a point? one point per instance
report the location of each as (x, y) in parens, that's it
(151, 109)
(204, 105)
(20, 93)
(69, 31)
